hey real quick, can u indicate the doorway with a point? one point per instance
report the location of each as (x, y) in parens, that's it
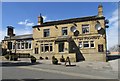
(61, 47)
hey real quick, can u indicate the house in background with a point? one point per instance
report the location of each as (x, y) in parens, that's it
(21, 44)
(77, 38)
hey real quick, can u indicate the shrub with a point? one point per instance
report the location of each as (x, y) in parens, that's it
(46, 58)
(15, 57)
(54, 60)
(41, 58)
(33, 59)
(7, 56)
(62, 59)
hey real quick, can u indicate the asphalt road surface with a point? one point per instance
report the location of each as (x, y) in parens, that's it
(26, 70)
(21, 73)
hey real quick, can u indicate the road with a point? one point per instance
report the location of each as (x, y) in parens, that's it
(25, 70)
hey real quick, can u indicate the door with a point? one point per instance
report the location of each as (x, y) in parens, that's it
(61, 47)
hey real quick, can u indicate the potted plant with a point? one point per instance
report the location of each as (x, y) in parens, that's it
(41, 58)
(46, 58)
(54, 60)
(15, 57)
(7, 56)
(33, 59)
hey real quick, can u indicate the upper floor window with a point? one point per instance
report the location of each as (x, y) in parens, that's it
(85, 28)
(46, 32)
(64, 31)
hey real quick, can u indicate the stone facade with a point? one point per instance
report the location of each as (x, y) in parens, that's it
(76, 38)
(57, 38)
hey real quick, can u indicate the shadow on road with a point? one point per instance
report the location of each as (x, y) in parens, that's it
(11, 64)
(22, 79)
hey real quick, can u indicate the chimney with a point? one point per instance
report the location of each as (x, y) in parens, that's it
(100, 10)
(40, 20)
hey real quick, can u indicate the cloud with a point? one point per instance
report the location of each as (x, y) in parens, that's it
(112, 31)
(45, 18)
(26, 23)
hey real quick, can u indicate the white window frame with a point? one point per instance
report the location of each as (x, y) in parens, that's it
(86, 26)
(64, 28)
(86, 43)
(93, 43)
(44, 32)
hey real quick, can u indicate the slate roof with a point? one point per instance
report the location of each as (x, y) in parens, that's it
(20, 37)
(72, 20)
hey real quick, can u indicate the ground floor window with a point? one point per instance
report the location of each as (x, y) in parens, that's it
(23, 44)
(36, 50)
(51, 47)
(46, 47)
(18, 45)
(91, 44)
(86, 44)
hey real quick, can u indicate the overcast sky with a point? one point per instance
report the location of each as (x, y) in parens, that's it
(23, 15)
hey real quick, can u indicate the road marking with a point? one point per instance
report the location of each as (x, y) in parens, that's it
(66, 73)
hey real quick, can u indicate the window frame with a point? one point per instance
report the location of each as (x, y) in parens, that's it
(86, 26)
(93, 42)
(44, 31)
(86, 43)
(64, 29)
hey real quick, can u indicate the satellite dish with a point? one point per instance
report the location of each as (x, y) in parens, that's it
(106, 21)
(101, 31)
(98, 26)
(76, 33)
(73, 29)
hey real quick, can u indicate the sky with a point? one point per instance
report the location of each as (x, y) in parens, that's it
(23, 15)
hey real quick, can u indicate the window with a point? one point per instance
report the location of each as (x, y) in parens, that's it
(36, 50)
(18, 45)
(22, 45)
(13, 46)
(26, 45)
(100, 48)
(86, 44)
(64, 31)
(46, 32)
(61, 47)
(46, 47)
(92, 44)
(30, 45)
(42, 49)
(51, 49)
(85, 28)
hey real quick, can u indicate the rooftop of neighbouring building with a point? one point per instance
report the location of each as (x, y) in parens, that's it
(20, 37)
